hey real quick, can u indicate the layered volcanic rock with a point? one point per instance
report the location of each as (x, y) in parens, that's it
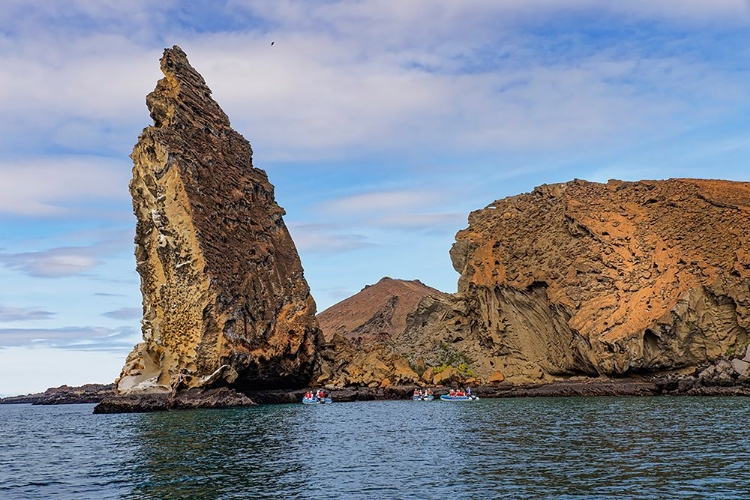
(598, 279)
(225, 301)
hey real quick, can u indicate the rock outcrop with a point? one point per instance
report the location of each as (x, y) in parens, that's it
(225, 301)
(187, 399)
(599, 279)
(624, 279)
(725, 376)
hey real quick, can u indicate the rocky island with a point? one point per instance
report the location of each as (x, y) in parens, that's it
(225, 301)
(88, 393)
(575, 288)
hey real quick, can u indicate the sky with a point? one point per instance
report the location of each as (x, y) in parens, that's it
(382, 125)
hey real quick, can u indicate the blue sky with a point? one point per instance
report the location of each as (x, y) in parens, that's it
(382, 124)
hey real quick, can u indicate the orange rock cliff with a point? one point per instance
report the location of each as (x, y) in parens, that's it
(582, 278)
(608, 279)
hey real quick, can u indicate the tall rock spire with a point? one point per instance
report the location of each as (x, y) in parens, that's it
(224, 296)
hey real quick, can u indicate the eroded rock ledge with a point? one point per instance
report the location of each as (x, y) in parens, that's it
(88, 393)
(225, 301)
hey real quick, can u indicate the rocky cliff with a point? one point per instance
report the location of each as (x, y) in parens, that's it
(225, 301)
(600, 279)
(581, 280)
(87, 393)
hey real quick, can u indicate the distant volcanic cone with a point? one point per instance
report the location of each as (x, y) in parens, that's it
(225, 301)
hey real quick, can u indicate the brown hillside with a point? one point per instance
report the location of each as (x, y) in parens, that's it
(379, 308)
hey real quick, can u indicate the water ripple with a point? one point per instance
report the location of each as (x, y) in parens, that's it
(567, 448)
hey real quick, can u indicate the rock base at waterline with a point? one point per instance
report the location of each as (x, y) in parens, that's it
(183, 400)
(592, 387)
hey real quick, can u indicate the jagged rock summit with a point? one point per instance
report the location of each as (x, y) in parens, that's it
(225, 301)
(360, 331)
(360, 334)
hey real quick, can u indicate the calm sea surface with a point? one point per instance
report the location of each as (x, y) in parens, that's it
(566, 448)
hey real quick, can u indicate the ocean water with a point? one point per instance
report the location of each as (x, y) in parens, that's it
(564, 448)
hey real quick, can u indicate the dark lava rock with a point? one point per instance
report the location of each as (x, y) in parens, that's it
(188, 399)
(88, 393)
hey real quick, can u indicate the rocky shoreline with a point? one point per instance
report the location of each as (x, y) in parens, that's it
(711, 381)
(189, 399)
(63, 395)
(664, 386)
(724, 377)
(502, 390)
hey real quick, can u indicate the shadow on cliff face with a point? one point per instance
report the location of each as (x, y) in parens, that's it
(269, 376)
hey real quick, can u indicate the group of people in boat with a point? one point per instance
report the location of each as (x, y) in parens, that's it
(319, 394)
(422, 393)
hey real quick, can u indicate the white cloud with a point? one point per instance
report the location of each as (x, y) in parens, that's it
(27, 370)
(369, 219)
(52, 263)
(124, 313)
(421, 221)
(51, 186)
(347, 77)
(408, 19)
(325, 238)
(325, 98)
(9, 314)
(72, 337)
(379, 202)
(693, 11)
(77, 77)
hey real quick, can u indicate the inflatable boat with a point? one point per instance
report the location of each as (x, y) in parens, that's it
(423, 398)
(448, 397)
(316, 401)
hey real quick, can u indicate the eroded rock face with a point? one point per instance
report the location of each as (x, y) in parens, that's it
(611, 279)
(225, 301)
